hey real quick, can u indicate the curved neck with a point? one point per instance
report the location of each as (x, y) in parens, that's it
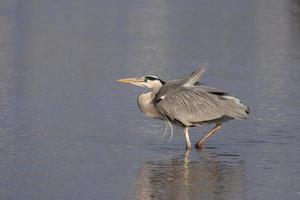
(154, 91)
(154, 87)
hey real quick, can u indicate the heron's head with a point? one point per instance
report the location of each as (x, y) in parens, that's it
(148, 81)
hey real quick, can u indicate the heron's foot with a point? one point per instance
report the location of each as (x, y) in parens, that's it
(199, 145)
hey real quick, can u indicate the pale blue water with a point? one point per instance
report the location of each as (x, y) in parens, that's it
(69, 131)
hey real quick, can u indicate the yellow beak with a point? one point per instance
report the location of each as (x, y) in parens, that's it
(133, 81)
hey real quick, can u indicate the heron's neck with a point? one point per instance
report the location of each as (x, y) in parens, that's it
(155, 90)
(145, 102)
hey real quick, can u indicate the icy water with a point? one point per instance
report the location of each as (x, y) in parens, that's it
(69, 131)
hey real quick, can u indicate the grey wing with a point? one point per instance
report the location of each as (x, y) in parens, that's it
(212, 90)
(195, 76)
(175, 85)
(169, 87)
(190, 105)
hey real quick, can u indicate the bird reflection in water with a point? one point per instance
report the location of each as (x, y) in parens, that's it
(210, 176)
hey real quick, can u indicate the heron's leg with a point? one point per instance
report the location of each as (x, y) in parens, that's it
(200, 142)
(188, 144)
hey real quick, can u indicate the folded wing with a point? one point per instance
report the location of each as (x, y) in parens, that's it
(193, 104)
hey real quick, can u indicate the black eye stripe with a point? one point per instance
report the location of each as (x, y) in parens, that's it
(151, 78)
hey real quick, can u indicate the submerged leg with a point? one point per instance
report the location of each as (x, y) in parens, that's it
(188, 144)
(200, 142)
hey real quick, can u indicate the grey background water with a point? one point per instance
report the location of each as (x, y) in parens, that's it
(69, 131)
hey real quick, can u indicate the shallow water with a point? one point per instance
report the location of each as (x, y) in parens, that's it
(69, 131)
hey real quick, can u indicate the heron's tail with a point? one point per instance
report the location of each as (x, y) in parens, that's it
(235, 108)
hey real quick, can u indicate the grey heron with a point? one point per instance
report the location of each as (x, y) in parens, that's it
(187, 103)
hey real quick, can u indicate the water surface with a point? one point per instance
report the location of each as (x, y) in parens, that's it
(69, 131)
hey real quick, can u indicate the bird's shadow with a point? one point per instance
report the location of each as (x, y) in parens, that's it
(194, 175)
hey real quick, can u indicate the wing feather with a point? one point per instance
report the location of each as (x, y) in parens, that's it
(190, 102)
(195, 76)
(190, 105)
